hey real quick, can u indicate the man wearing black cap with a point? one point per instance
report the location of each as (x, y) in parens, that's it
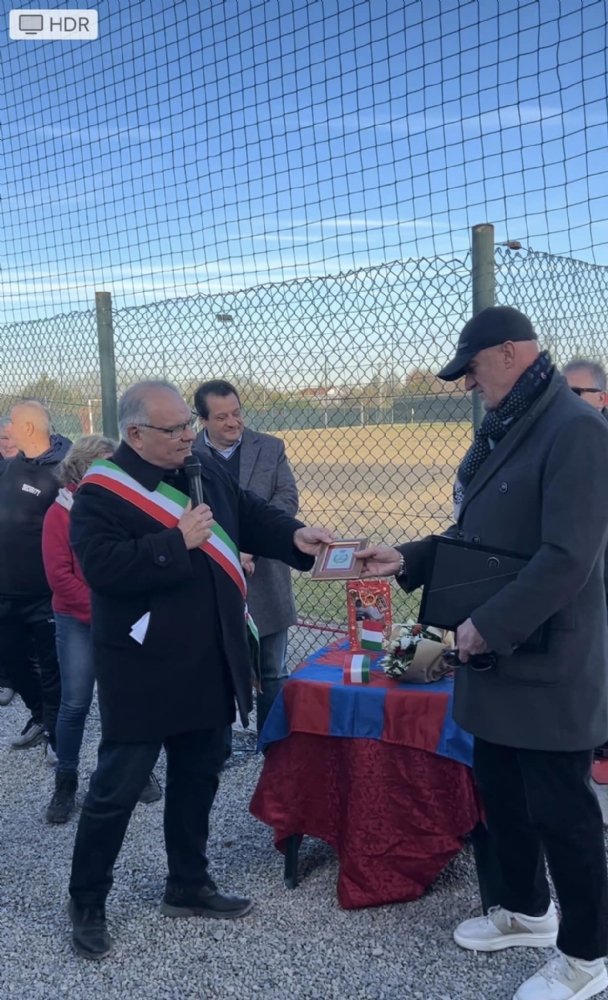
(533, 483)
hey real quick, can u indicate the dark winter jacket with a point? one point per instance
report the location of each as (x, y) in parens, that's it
(540, 493)
(28, 487)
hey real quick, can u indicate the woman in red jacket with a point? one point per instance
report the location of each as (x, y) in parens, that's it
(72, 607)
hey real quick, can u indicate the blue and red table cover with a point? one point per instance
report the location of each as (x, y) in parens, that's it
(316, 700)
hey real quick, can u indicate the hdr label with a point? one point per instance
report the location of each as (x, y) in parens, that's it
(54, 25)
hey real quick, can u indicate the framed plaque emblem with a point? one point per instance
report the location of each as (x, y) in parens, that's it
(336, 561)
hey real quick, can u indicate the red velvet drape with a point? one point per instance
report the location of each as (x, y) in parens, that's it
(394, 815)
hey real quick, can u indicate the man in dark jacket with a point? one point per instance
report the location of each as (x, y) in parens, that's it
(27, 489)
(170, 646)
(533, 483)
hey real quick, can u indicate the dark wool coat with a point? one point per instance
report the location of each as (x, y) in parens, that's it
(195, 657)
(541, 493)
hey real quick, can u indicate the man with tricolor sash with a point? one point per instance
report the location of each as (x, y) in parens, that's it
(171, 648)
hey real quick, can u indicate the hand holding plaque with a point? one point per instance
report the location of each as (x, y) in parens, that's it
(312, 540)
(336, 560)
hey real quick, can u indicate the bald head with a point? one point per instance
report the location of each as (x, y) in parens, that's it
(155, 421)
(30, 427)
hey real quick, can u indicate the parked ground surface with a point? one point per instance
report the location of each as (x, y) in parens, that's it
(293, 945)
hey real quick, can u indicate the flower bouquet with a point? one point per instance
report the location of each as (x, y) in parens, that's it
(415, 653)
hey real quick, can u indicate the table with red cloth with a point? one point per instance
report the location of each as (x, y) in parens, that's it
(379, 771)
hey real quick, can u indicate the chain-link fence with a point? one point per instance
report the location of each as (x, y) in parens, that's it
(343, 368)
(201, 147)
(56, 361)
(567, 300)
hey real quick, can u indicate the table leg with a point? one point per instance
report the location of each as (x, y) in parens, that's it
(488, 872)
(292, 846)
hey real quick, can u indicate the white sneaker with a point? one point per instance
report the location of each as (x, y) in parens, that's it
(564, 978)
(50, 756)
(503, 929)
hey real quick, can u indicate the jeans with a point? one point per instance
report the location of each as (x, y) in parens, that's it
(194, 761)
(75, 652)
(539, 804)
(27, 626)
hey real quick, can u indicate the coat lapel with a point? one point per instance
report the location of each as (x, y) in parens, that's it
(505, 448)
(250, 449)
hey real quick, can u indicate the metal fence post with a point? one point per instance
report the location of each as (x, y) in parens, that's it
(483, 281)
(107, 365)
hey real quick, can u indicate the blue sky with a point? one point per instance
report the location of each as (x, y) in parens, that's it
(212, 146)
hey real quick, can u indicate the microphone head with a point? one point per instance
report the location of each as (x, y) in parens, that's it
(192, 466)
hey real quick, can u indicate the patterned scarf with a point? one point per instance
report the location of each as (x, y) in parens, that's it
(497, 423)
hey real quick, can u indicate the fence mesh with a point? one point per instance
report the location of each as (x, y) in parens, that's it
(281, 193)
(343, 368)
(568, 300)
(204, 147)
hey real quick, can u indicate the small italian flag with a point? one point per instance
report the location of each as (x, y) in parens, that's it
(356, 669)
(371, 635)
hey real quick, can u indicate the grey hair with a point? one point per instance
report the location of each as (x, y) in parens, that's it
(5, 421)
(72, 468)
(593, 367)
(132, 408)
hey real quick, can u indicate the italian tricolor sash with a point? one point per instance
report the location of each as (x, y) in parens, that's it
(166, 504)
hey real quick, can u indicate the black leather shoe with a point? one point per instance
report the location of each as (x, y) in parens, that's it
(90, 931)
(203, 901)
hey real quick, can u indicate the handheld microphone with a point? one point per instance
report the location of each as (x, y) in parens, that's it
(192, 468)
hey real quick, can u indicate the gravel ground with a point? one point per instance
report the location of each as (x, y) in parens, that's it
(293, 944)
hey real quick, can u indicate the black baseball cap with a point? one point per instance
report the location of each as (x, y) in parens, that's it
(488, 328)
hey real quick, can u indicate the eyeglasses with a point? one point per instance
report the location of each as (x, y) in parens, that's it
(579, 392)
(173, 433)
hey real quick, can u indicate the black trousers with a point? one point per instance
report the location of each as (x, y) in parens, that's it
(540, 805)
(194, 761)
(23, 676)
(29, 656)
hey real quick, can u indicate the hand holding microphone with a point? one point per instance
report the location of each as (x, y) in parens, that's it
(195, 525)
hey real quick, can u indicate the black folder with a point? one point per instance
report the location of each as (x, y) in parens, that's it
(461, 577)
